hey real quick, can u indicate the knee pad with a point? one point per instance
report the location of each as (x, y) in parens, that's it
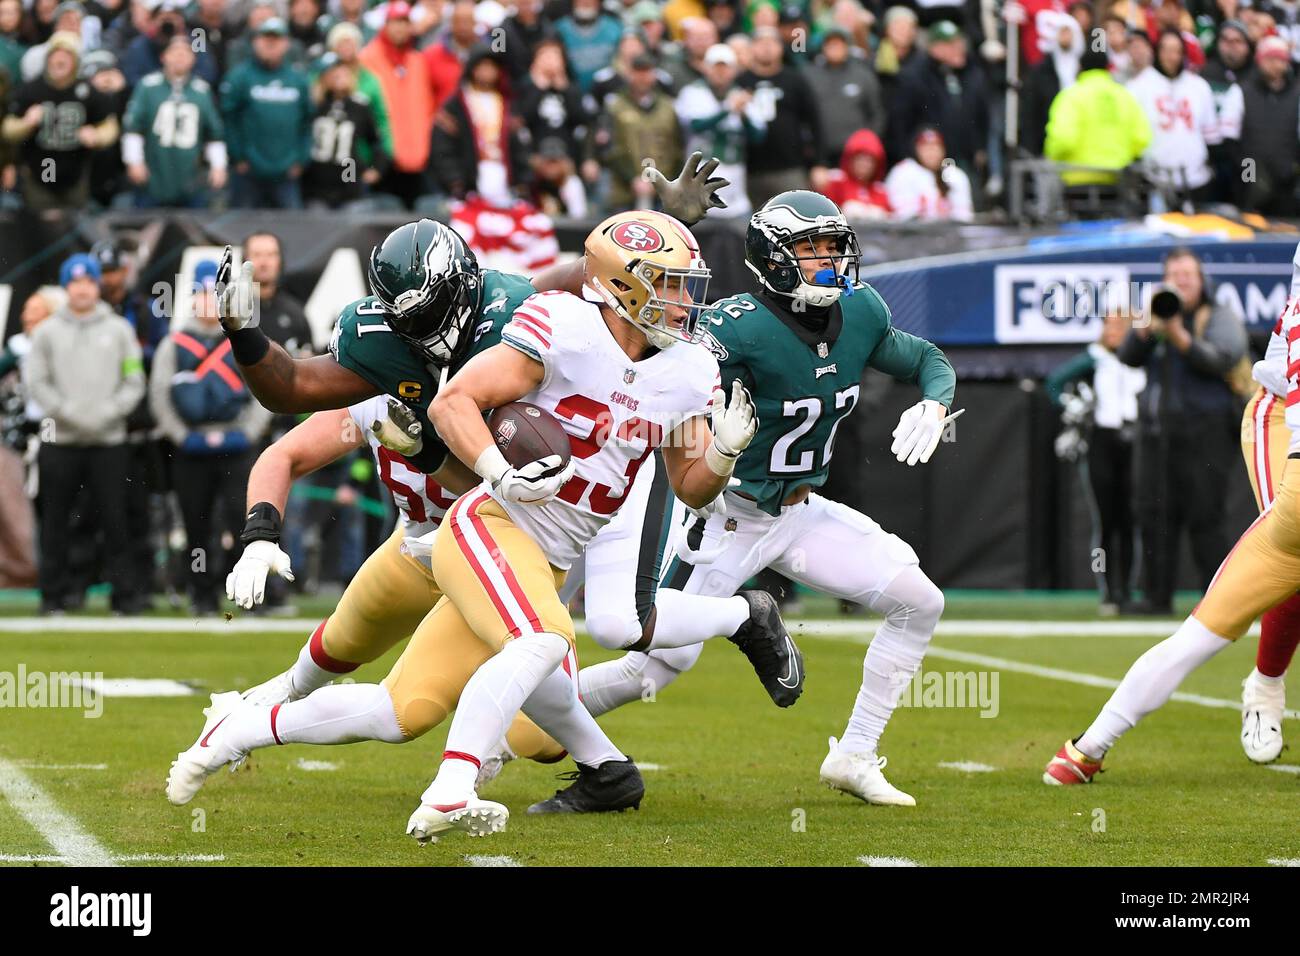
(678, 659)
(614, 632)
(420, 704)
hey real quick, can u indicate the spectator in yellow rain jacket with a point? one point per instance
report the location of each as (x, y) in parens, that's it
(1095, 122)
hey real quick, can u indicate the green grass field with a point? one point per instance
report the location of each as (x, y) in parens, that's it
(736, 778)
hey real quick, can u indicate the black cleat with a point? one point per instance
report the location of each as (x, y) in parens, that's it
(614, 785)
(769, 647)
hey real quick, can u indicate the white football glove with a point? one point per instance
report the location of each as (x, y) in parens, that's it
(399, 431)
(237, 300)
(918, 431)
(246, 584)
(733, 428)
(527, 484)
(718, 506)
(693, 193)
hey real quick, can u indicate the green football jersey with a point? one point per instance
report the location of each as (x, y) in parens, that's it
(365, 344)
(803, 383)
(176, 123)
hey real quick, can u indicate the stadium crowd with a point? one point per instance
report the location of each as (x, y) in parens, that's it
(894, 112)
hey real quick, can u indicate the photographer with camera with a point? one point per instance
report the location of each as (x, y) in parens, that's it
(1194, 351)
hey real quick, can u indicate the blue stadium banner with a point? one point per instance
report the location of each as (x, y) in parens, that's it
(1059, 294)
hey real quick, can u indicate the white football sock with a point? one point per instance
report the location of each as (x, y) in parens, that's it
(633, 676)
(682, 619)
(1149, 683)
(555, 707)
(489, 703)
(911, 605)
(338, 714)
(306, 675)
(1264, 680)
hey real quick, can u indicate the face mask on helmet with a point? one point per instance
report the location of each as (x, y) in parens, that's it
(434, 320)
(664, 302)
(816, 268)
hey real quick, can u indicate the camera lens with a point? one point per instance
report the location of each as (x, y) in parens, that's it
(1165, 304)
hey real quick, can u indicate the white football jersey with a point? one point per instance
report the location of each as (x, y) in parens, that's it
(1289, 334)
(616, 412)
(1272, 371)
(420, 500)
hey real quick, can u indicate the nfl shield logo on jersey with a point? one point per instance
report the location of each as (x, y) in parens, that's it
(629, 376)
(822, 350)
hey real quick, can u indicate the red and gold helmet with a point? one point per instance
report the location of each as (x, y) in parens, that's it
(640, 264)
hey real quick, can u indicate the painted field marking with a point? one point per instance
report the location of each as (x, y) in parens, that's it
(28, 765)
(1055, 673)
(315, 766)
(651, 766)
(1284, 768)
(63, 833)
(967, 766)
(491, 861)
(131, 858)
(1283, 861)
(808, 627)
(886, 861)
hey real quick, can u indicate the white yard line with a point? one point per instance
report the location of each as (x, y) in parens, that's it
(967, 766)
(492, 861)
(28, 765)
(132, 858)
(798, 627)
(315, 766)
(1283, 861)
(1056, 673)
(64, 834)
(1284, 768)
(886, 861)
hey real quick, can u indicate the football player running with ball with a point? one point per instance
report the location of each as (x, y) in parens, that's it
(800, 346)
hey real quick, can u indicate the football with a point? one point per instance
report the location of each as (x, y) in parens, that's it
(526, 433)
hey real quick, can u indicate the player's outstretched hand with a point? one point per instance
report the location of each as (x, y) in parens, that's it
(246, 583)
(693, 193)
(400, 431)
(236, 295)
(918, 431)
(532, 483)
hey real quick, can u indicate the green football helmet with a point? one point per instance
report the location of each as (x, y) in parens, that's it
(775, 231)
(427, 279)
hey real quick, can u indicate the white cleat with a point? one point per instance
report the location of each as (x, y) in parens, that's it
(493, 764)
(1262, 704)
(277, 690)
(859, 775)
(208, 754)
(473, 816)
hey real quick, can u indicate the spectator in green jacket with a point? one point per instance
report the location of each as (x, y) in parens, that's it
(268, 110)
(11, 45)
(1095, 122)
(172, 126)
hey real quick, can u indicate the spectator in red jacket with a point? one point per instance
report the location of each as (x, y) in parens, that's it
(857, 187)
(446, 58)
(408, 96)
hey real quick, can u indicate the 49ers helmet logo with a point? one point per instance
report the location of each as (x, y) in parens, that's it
(638, 237)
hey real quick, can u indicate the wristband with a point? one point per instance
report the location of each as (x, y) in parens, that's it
(263, 524)
(719, 462)
(248, 345)
(491, 465)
